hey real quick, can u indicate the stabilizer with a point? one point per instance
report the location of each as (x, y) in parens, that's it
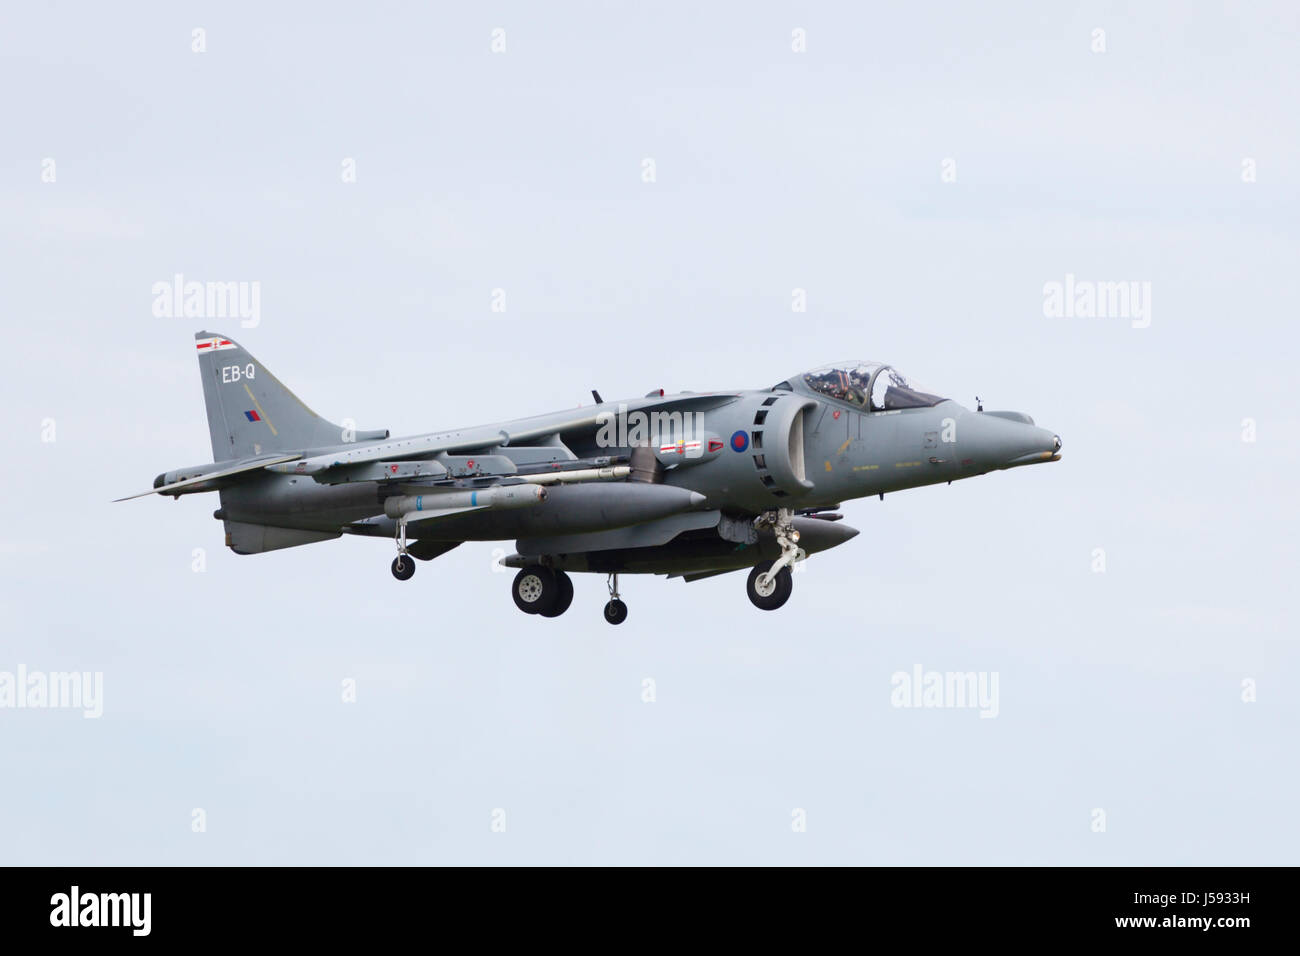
(251, 412)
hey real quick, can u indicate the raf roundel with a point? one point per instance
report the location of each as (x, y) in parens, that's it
(740, 441)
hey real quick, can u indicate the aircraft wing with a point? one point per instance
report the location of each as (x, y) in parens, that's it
(509, 434)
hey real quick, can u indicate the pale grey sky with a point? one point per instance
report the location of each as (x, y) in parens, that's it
(775, 170)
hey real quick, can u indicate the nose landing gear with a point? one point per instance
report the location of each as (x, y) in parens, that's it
(771, 583)
(768, 591)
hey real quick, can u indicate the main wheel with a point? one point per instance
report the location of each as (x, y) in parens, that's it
(774, 592)
(563, 596)
(535, 590)
(403, 567)
(616, 612)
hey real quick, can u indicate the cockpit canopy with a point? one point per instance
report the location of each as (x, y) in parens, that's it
(869, 386)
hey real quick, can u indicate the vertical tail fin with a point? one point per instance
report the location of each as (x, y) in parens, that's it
(251, 412)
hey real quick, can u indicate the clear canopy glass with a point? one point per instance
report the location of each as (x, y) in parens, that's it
(870, 386)
(845, 381)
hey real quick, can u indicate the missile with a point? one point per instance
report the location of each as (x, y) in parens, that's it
(612, 473)
(437, 503)
(567, 509)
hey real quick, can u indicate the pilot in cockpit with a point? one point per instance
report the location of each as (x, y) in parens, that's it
(869, 386)
(859, 382)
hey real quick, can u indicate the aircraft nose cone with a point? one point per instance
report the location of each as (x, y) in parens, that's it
(1007, 440)
(1034, 445)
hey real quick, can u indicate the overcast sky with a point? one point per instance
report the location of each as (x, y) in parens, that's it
(921, 171)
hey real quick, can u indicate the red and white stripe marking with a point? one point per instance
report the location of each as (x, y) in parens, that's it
(680, 448)
(213, 344)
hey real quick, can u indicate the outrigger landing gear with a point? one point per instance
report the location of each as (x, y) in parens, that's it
(403, 567)
(615, 610)
(771, 583)
(403, 564)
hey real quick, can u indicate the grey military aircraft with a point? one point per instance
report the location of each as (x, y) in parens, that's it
(689, 485)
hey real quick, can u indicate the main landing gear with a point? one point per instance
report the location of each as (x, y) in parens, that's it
(539, 589)
(771, 583)
(548, 592)
(542, 591)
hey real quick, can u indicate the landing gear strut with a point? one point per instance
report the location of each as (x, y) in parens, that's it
(615, 610)
(771, 583)
(403, 564)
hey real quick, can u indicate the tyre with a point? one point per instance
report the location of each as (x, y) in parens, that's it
(616, 612)
(563, 596)
(535, 590)
(774, 593)
(403, 567)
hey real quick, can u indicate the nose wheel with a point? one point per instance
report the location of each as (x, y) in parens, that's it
(771, 583)
(768, 591)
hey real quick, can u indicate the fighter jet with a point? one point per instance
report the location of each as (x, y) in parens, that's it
(688, 485)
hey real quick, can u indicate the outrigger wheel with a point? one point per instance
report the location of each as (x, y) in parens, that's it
(615, 610)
